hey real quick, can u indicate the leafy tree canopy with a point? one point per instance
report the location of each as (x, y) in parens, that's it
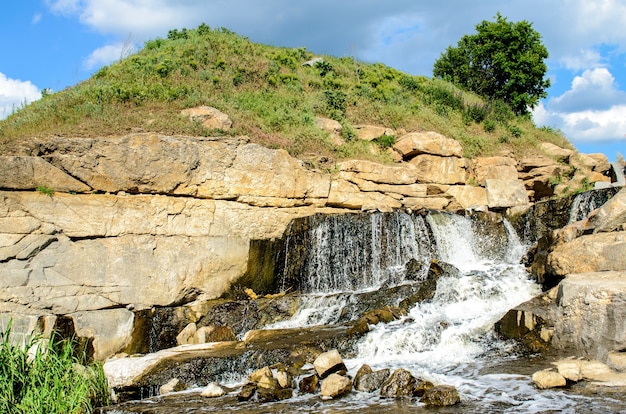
(502, 61)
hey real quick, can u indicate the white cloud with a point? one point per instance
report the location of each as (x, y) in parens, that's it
(594, 90)
(594, 109)
(65, 7)
(108, 54)
(14, 93)
(36, 18)
(584, 59)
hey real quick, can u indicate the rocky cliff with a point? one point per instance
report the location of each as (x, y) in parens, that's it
(95, 230)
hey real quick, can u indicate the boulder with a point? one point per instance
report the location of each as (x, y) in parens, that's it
(379, 173)
(611, 215)
(503, 168)
(344, 194)
(429, 142)
(247, 392)
(261, 373)
(209, 117)
(548, 379)
(329, 362)
(558, 153)
(440, 170)
(371, 132)
(309, 384)
(505, 193)
(213, 390)
(590, 318)
(589, 253)
(469, 197)
(401, 383)
(186, 336)
(602, 162)
(173, 385)
(441, 396)
(328, 125)
(110, 330)
(335, 385)
(213, 333)
(367, 380)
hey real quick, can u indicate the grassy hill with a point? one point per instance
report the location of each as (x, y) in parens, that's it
(270, 96)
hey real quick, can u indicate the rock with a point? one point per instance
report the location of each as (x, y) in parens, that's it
(440, 170)
(126, 372)
(602, 162)
(186, 336)
(110, 330)
(589, 253)
(260, 373)
(590, 315)
(548, 379)
(211, 118)
(213, 390)
(441, 395)
(335, 385)
(284, 378)
(213, 333)
(367, 380)
(433, 143)
(313, 61)
(469, 197)
(560, 154)
(505, 193)
(379, 173)
(371, 132)
(247, 392)
(174, 385)
(328, 363)
(586, 161)
(611, 215)
(309, 384)
(28, 173)
(569, 369)
(344, 194)
(503, 168)
(401, 383)
(527, 164)
(332, 127)
(273, 394)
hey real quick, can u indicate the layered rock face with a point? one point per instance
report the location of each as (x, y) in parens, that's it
(584, 313)
(95, 230)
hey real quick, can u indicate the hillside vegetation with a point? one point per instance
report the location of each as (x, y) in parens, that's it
(270, 96)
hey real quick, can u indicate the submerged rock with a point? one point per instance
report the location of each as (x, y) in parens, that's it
(401, 383)
(441, 395)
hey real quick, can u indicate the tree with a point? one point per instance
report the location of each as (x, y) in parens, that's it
(502, 61)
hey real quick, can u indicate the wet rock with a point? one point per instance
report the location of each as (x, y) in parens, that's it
(247, 392)
(259, 374)
(548, 379)
(422, 386)
(401, 383)
(214, 333)
(309, 384)
(213, 390)
(174, 385)
(441, 395)
(329, 363)
(274, 394)
(335, 385)
(186, 335)
(367, 380)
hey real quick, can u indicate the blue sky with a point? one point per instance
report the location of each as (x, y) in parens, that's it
(58, 43)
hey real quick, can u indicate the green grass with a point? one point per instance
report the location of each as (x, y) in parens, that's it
(50, 381)
(270, 96)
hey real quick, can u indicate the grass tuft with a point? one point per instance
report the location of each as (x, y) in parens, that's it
(46, 377)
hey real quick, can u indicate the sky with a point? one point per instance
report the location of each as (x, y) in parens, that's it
(54, 44)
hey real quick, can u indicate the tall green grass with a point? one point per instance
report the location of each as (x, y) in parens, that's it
(48, 379)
